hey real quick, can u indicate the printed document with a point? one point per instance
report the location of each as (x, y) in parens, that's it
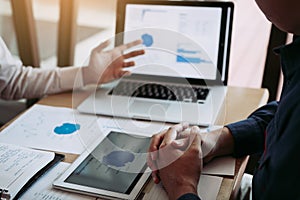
(19, 164)
(52, 128)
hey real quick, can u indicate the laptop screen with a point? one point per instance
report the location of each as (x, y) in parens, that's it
(181, 39)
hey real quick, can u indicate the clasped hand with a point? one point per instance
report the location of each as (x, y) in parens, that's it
(175, 158)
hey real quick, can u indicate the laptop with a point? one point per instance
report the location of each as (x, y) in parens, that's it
(183, 74)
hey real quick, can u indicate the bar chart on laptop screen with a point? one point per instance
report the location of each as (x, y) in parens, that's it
(178, 39)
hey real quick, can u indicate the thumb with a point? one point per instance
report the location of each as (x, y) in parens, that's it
(102, 46)
(180, 143)
(195, 140)
(124, 73)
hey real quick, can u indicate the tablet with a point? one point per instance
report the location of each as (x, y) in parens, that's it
(113, 168)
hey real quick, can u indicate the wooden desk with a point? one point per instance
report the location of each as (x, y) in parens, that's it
(240, 102)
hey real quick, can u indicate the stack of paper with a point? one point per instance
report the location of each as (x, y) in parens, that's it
(19, 165)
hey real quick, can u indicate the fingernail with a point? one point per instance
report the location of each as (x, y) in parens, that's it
(177, 142)
(195, 129)
(127, 73)
(186, 124)
(162, 145)
(153, 177)
(155, 180)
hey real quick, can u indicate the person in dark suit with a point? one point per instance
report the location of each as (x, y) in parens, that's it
(272, 130)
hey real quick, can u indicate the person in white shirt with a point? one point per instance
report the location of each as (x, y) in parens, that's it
(18, 81)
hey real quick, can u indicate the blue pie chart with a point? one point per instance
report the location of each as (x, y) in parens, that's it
(118, 158)
(147, 40)
(66, 129)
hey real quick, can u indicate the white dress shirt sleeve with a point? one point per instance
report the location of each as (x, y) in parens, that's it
(17, 81)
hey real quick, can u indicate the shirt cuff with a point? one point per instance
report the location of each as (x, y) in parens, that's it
(189, 196)
(247, 137)
(71, 78)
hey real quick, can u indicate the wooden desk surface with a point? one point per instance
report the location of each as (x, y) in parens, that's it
(240, 102)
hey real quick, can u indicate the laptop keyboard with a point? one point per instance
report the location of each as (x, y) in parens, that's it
(161, 92)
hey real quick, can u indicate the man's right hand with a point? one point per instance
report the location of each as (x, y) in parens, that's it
(178, 164)
(159, 141)
(215, 143)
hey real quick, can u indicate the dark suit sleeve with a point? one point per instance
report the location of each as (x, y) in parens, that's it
(249, 134)
(189, 196)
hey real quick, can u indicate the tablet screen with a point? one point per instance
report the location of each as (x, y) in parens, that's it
(116, 164)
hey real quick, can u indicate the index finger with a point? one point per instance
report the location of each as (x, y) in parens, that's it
(129, 45)
(195, 138)
(154, 145)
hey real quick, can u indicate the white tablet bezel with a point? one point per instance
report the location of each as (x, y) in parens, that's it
(60, 183)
